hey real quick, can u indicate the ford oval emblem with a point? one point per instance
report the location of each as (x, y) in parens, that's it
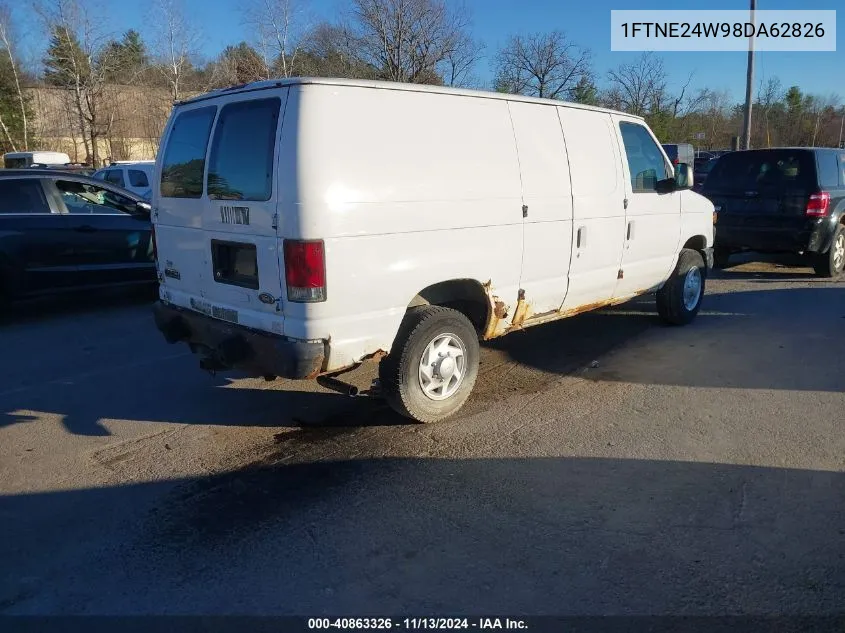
(266, 297)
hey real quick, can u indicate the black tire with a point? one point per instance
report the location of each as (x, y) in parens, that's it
(830, 264)
(399, 371)
(671, 305)
(721, 257)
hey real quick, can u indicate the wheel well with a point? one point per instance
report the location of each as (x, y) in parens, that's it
(697, 243)
(464, 295)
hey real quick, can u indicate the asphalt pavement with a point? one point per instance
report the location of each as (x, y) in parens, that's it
(607, 464)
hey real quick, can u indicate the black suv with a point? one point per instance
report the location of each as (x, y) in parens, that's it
(788, 200)
(61, 231)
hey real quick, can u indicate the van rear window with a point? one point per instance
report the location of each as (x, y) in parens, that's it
(241, 162)
(184, 156)
(762, 170)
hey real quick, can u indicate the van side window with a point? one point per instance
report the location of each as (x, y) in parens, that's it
(241, 162)
(184, 156)
(645, 160)
(828, 170)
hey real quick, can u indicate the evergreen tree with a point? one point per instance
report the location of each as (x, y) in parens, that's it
(66, 64)
(585, 92)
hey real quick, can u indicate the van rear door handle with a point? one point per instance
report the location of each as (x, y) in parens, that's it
(630, 230)
(581, 239)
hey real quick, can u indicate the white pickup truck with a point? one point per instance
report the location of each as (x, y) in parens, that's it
(305, 225)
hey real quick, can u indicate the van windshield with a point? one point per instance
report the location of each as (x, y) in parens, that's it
(15, 163)
(777, 170)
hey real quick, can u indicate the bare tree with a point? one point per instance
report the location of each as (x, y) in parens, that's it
(79, 60)
(410, 40)
(6, 41)
(770, 94)
(546, 65)
(459, 62)
(640, 84)
(278, 26)
(175, 44)
(329, 51)
(822, 108)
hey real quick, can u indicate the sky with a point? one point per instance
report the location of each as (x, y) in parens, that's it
(585, 22)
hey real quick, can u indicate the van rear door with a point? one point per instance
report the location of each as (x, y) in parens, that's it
(218, 247)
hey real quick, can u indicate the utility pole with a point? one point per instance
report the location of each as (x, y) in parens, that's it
(749, 85)
(841, 125)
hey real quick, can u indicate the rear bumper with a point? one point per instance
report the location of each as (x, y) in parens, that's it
(815, 238)
(222, 345)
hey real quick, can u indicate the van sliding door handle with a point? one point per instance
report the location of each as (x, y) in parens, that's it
(581, 238)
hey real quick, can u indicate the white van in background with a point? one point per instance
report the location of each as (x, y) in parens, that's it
(20, 160)
(136, 176)
(305, 225)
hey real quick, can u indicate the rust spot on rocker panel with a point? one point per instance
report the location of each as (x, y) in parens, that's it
(554, 315)
(498, 313)
(524, 317)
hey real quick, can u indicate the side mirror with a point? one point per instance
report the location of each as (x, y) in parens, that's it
(143, 208)
(667, 185)
(683, 176)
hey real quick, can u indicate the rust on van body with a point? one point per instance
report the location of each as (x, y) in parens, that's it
(496, 324)
(524, 316)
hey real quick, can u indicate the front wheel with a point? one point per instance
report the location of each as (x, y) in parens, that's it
(433, 364)
(679, 300)
(831, 263)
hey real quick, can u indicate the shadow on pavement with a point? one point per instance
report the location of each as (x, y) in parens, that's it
(762, 339)
(435, 536)
(62, 306)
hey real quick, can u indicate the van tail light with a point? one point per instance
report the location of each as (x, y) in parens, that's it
(818, 205)
(305, 270)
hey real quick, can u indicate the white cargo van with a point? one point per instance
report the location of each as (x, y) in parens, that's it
(17, 160)
(305, 225)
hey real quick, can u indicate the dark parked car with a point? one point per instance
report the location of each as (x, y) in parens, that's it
(781, 200)
(701, 170)
(62, 231)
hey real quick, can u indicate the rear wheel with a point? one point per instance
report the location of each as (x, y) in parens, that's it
(679, 300)
(831, 263)
(433, 364)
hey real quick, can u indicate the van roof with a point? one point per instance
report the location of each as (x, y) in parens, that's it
(33, 153)
(390, 85)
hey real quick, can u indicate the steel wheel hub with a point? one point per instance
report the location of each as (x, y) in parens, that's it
(692, 288)
(442, 366)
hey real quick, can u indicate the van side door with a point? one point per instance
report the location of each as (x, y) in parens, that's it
(652, 220)
(547, 205)
(598, 195)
